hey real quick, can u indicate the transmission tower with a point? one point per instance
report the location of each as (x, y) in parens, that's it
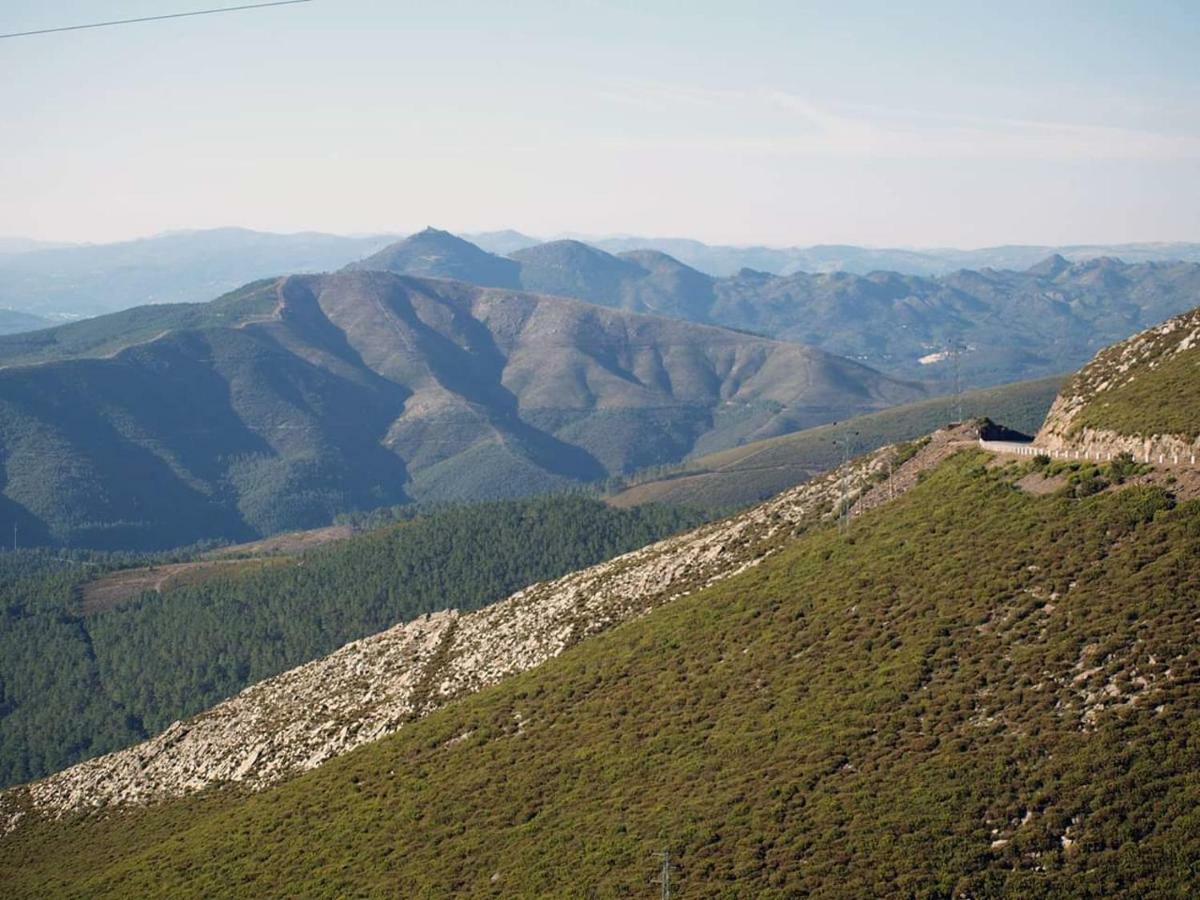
(955, 349)
(846, 442)
(664, 874)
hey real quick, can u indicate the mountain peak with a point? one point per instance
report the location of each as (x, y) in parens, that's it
(433, 253)
(1050, 267)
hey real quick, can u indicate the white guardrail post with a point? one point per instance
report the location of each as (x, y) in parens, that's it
(1176, 458)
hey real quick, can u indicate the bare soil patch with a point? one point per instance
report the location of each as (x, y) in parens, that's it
(286, 544)
(1039, 484)
(110, 591)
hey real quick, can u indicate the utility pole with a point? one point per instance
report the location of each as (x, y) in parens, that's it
(956, 349)
(846, 442)
(664, 875)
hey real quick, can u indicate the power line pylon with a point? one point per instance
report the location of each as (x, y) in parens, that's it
(664, 874)
(955, 349)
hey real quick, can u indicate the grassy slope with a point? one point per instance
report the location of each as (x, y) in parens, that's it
(752, 472)
(862, 716)
(1163, 400)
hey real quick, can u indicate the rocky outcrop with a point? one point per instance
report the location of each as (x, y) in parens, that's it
(1113, 368)
(1091, 443)
(372, 687)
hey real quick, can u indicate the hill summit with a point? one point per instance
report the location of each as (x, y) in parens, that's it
(1140, 396)
(439, 254)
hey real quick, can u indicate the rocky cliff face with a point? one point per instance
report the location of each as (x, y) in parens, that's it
(1097, 413)
(372, 687)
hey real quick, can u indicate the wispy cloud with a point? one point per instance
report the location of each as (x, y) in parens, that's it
(785, 123)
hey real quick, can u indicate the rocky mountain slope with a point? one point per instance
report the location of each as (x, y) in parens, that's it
(1140, 396)
(970, 690)
(374, 686)
(291, 400)
(1008, 325)
(100, 651)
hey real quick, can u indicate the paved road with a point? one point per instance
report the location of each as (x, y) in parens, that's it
(1018, 449)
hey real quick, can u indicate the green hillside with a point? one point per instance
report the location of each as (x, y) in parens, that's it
(746, 474)
(1145, 386)
(73, 685)
(974, 692)
(104, 336)
(280, 406)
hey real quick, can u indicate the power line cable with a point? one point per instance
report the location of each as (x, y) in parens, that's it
(182, 15)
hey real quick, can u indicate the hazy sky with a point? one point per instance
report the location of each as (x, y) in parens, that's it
(960, 123)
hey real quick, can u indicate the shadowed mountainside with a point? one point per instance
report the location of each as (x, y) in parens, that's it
(289, 401)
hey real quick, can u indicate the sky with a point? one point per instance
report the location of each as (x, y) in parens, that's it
(961, 124)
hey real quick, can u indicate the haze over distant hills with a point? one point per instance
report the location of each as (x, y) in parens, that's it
(725, 259)
(14, 321)
(1011, 325)
(291, 400)
(192, 266)
(184, 266)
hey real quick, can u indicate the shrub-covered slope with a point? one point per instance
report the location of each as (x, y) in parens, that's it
(73, 685)
(1142, 394)
(746, 474)
(974, 691)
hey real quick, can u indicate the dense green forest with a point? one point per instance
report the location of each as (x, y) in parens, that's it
(75, 686)
(973, 692)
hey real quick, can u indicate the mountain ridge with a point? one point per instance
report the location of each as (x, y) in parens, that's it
(52, 279)
(326, 393)
(1006, 325)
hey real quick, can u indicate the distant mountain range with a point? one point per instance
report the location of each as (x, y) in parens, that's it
(721, 260)
(14, 321)
(1008, 325)
(186, 266)
(291, 400)
(87, 280)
